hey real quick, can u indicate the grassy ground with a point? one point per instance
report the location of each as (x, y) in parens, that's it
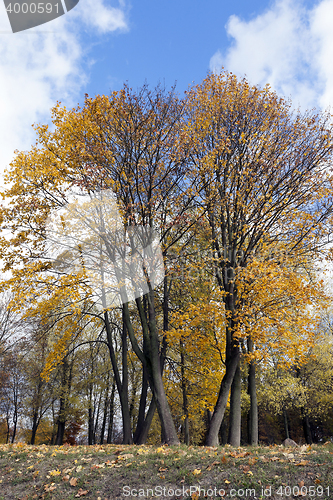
(118, 472)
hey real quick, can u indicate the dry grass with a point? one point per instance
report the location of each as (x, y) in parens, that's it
(115, 472)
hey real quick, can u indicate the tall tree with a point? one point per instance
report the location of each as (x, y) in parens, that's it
(264, 179)
(127, 143)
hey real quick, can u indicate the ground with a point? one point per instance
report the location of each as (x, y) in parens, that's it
(113, 472)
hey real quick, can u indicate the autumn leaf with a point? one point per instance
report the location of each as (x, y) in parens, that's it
(54, 472)
(73, 481)
(81, 493)
(196, 472)
(50, 487)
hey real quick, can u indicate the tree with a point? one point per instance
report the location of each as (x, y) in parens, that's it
(264, 178)
(126, 142)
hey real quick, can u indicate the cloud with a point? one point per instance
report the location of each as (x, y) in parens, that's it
(289, 47)
(106, 19)
(45, 64)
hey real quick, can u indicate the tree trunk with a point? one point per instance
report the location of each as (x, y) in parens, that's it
(232, 355)
(215, 424)
(35, 422)
(154, 362)
(8, 430)
(122, 386)
(235, 409)
(307, 429)
(142, 436)
(14, 428)
(286, 424)
(142, 406)
(186, 430)
(61, 424)
(111, 414)
(90, 425)
(156, 381)
(105, 414)
(252, 390)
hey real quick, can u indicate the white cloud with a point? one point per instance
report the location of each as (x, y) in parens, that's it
(38, 66)
(287, 46)
(94, 13)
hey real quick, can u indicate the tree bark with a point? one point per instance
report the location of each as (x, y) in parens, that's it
(122, 386)
(215, 424)
(90, 425)
(307, 429)
(155, 378)
(105, 411)
(154, 362)
(143, 435)
(252, 390)
(235, 409)
(186, 430)
(35, 422)
(111, 414)
(61, 424)
(15, 426)
(286, 424)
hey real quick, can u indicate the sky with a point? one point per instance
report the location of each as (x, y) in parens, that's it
(101, 44)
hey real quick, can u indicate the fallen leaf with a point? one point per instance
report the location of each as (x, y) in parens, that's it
(303, 462)
(35, 474)
(73, 481)
(196, 472)
(65, 478)
(54, 472)
(50, 487)
(81, 493)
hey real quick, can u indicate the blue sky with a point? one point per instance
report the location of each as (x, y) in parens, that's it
(100, 44)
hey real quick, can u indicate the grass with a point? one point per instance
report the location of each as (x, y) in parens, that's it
(114, 472)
